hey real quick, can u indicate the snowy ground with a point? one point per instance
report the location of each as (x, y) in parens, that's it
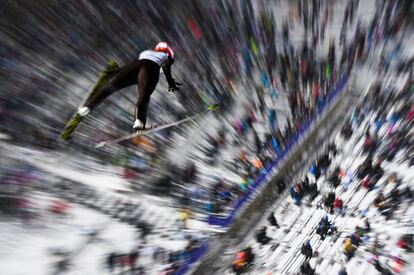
(32, 243)
(27, 248)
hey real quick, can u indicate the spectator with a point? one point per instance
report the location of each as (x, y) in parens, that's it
(348, 249)
(343, 271)
(307, 250)
(295, 192)
(306, 269)
(338, 206)
(262, 237)
(272, 220)
(329, 201)
(111, 261)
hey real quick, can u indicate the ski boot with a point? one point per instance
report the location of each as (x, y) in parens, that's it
(74, 122)
(139, 126)
(103, 79)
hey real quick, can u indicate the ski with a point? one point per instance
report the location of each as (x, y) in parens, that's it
(75, 119)
(158, 128)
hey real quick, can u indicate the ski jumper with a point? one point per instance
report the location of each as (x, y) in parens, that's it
(143, 72)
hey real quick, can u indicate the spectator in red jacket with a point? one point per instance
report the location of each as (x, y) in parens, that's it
(338, 206)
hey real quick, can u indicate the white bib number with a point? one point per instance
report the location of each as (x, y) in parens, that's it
(158, 57)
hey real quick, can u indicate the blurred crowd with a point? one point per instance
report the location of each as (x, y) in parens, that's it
(386, 117)
(305, 74)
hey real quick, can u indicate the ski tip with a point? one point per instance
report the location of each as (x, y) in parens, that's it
(212, 107)
(100, 144)
(64, 138)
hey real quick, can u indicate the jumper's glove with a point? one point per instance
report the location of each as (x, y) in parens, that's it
(172, 87)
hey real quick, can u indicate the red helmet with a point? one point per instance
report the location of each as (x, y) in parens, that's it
(164, 47)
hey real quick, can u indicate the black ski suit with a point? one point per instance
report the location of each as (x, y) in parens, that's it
(144, 73)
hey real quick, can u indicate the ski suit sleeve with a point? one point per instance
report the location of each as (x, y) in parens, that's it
(167, 71)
